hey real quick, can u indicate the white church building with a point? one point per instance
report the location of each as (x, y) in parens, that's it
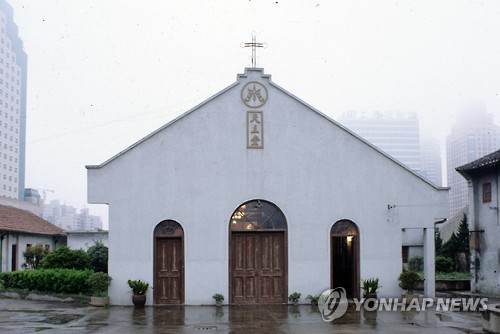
(255, 194)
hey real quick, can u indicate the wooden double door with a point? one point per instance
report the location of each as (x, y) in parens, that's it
(169, 271)
(258, 271)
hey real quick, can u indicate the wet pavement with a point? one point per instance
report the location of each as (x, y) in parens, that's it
(24, 316)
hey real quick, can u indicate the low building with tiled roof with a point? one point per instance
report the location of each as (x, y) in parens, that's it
(488, 161)
(20, 229)
(484, 220)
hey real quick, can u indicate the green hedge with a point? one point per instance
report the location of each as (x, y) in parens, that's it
(66, 281)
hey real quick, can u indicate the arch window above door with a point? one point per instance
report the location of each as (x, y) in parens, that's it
(344, 228)
(169, 228)
(258, 215)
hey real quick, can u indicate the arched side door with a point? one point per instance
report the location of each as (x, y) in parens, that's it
(168, 263)
(344, 255)
(258, 254)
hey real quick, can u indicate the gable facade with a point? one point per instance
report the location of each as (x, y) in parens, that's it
(179, 190)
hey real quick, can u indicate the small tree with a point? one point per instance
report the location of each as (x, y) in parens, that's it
(450, 247)
(65, 258)
(463, 239)
(33, 255)
(98, 255)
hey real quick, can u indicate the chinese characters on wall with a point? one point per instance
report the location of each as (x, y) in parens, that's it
(254, 95)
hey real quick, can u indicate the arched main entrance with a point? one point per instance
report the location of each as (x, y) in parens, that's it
(345, 257)
(168, 263)
(258, 254)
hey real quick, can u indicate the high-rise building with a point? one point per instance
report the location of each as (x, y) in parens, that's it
(395, 133)
(430, 152)
(13, 75)
(473, 135)
(67, 218)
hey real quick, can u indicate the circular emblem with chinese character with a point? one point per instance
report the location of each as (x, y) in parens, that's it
(254, 94)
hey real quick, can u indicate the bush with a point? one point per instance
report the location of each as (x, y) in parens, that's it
(444, 264)
(65, 258)
(33, 255)
(98, 284)
(98, 256)
(65, 281)
(416, 263)
(408, 280)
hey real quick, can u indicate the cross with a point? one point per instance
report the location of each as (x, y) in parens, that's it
(254, 45)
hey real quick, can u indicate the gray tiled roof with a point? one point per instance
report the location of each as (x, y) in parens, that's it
(489, 160)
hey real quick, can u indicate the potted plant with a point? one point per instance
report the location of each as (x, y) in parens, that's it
(313, 299)
(139, 289)
(370, 287)
(98, 284)
(219, 298)
(408, 281)
(294, 298)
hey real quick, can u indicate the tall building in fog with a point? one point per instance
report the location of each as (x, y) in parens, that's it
(430, 153)
(13, 68)
(67, 217)
(473, 135)
(398, 134)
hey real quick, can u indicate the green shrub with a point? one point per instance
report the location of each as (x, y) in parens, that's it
(98, 284)
(408, 280)
(416, 263)
(444, 264)
(65, 258)
(66, 281)
(138, 287)
(98, 256)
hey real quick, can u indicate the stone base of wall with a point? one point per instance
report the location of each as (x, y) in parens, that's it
(44, 297)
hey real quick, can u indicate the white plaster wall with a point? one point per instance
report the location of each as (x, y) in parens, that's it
(486, 217)
(21, 240)
(198, 170)
(85, 240)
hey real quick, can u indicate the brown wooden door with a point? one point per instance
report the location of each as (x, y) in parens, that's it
(169, 266)
(258, 268)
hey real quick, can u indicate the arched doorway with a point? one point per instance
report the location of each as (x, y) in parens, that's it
(345, 257)
(168, 263)
(258, 254)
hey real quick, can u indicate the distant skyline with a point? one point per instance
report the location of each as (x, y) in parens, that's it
(103, 74)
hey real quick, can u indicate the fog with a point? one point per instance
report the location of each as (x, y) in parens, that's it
(103, 74)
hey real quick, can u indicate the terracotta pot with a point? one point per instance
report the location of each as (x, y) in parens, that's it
(409, 298)
(139, 300)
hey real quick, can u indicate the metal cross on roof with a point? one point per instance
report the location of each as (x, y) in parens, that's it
(254, 45)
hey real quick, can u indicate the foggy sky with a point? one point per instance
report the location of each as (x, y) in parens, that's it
(103, 74)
